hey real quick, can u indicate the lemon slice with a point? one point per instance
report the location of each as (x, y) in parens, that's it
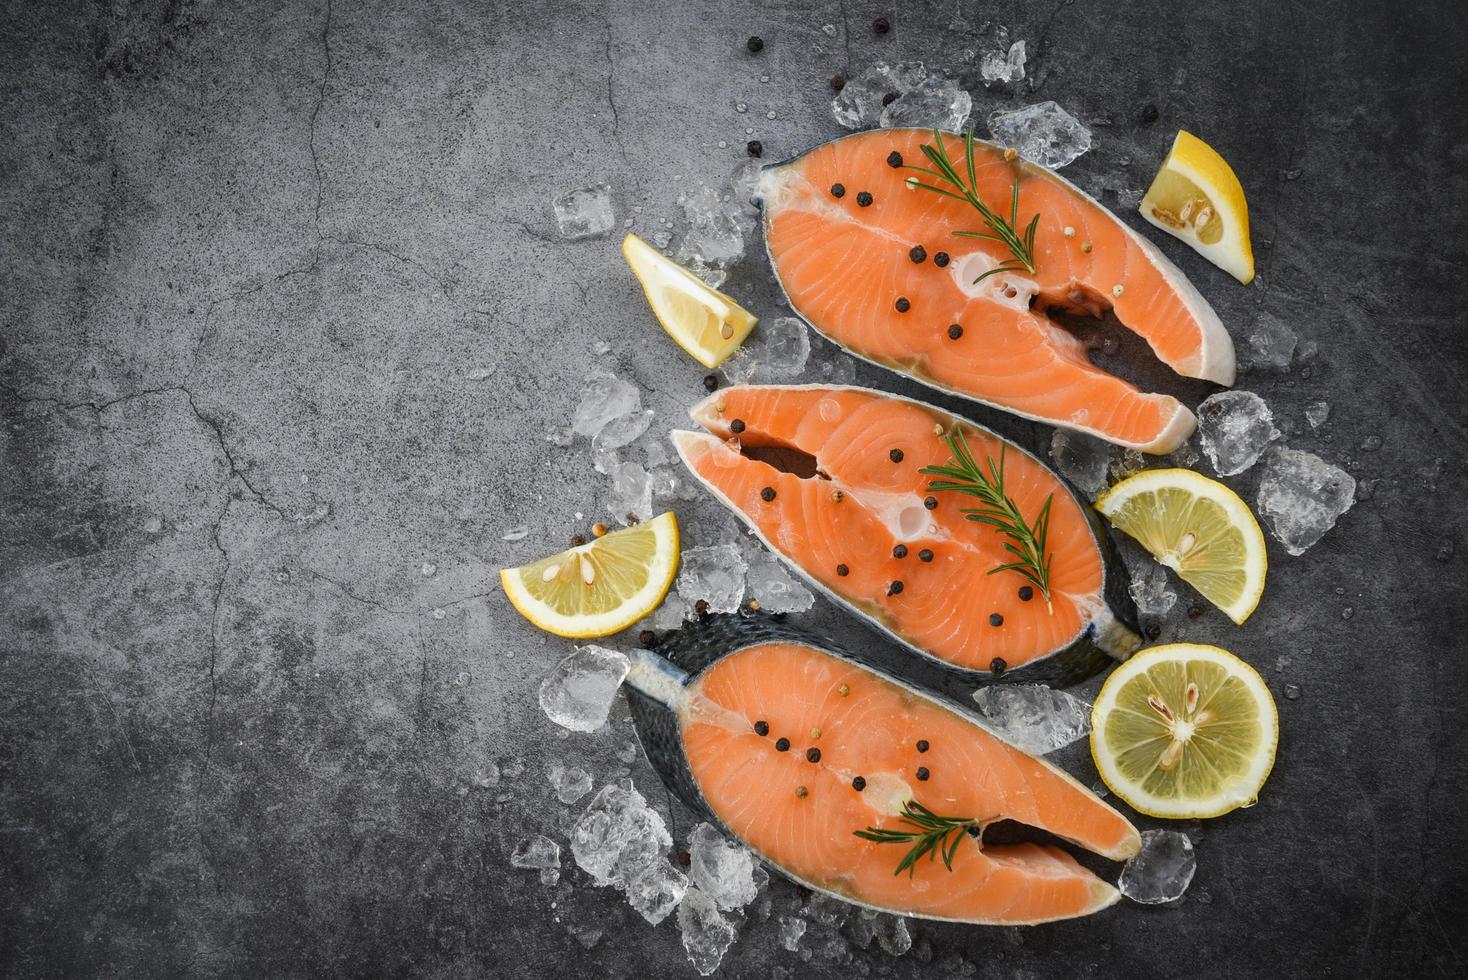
(706, 323)
(598, 588)
(1197, 527)
(1196, 197)
(1184, 731)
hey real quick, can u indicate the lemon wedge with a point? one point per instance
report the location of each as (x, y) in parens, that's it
(1196, 197)
(1197, 527)
(1184, 731)
(598, 588)
(705, 322)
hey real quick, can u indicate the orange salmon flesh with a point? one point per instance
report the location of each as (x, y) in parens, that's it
(867, 502)
(845, 266)
(801, 814)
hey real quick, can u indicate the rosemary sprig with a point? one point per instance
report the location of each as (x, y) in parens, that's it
(1027, 540)
(933, 835)
(1021, 244)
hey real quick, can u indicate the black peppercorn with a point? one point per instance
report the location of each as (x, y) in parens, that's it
(954, 331)
(864, 199)
(842, 570)
(711, 382)
(1195, 611)
(997, 666)
(577, 540)
(895, 588)
(995, 619)
(762, 728)
(1148, 114)
(1026, 593)
(881, 25)
(755, 45)
(737, 426)
(917, 253)
(894, 159)
(895, 455)
(755, 148)
(701, 607)
(925, 555)
(889, 98)
(922, 745)
(812, 755)
(838, 190)
(931, 503)
(922, 774)
(900, 551)
(902, 304)
(941, 259)
(1154, 631)
(647, 638)
(858, 784)
(782, 745)
(838, 82)
(767, 494)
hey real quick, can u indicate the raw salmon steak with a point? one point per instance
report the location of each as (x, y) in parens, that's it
(873, 264)
(794, 747)
(831, 480)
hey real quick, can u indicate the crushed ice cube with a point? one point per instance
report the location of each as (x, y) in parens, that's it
(714, 239)
(516, 533)
(585, 213)
(1082, 459)
(1006, 67)
(657, 890)
(938, 101)
(707, 935)
(784, 347)
(618, 836)
(722, 870)
(1316, 413)
(742, 366)
(1235, 428)
(1033, 718)
(631, 492)
(621, 430)
(1301, 496)
(560, 435)
(578, 694)
(744, 183)
(776, 590)
(714, 574)
(892, 934)
(791, 929)
(1162, 870)
(1043, 133)
(536, 852)
(1272, 344)
(605, 397)
(570, 783)
(859, 103)
(1151, 589)
(671, 614)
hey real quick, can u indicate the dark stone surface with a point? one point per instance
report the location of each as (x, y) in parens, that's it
(285, 317)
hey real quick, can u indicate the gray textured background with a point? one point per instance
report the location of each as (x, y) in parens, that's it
(284, 317)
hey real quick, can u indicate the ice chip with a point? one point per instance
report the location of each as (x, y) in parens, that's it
(722, 870)
(1043, 133)
(621, 430)
(744, 183)
(618, 837)
(714, 239)
(1033, 718)
(743, 366)
(1316, 413)
(656, 891)
(1272, 344)
(578, 694)
(892, 934)
(1301, 496)
(536, 852)
(1161, 871)
(516, 533)
(1151, 589)
(714, 574)
(605, 397)
(1235, 428)
(939, 101)
(1006, 67)
(1081, 459)
(776, 590)
(585, 213)
(631, 492)
(859, 103)
(791, 929)
(569, 783)
(671, 614)
(784, 347)
(707, 935)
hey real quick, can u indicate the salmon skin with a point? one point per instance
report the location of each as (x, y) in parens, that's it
(797, 803)
(856, 251)
(830, 479)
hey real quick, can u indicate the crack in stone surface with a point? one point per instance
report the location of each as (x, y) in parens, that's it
(316, 111)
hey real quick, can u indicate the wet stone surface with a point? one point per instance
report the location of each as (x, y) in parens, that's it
(290, 315)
